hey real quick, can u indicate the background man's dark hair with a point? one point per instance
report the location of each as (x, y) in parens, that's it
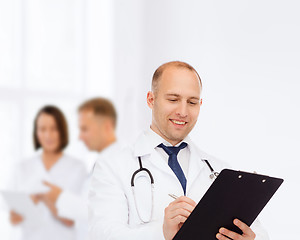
(101, 107)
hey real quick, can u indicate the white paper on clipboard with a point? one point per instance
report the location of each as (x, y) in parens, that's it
(22, 204)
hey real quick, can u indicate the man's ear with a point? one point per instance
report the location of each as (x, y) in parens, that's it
(150, 99)
(108, 123)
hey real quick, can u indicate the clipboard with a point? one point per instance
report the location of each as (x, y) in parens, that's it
(21, 203)
(234, 194)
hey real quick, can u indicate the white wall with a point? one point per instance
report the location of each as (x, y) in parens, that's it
(246, 52)
(52, 52)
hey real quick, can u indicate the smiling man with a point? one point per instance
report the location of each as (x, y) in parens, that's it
(130, 190)
(175, 108)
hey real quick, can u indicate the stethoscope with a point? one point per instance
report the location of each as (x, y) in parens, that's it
(213, 175)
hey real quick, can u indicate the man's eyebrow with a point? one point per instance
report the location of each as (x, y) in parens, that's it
(177, 95)
(172, 95)
(196, 98)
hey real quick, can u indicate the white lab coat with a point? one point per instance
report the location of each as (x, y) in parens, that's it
(113, 211)
(67, 173)
(74, 206)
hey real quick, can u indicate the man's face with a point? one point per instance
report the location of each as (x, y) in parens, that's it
(176, 104)
(92, 130)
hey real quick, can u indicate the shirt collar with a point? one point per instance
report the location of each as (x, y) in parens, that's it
(153, 140)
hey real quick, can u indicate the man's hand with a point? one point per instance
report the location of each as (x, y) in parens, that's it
(225, 234)
(15, 218)
(176, 214)
(36, 198)
(50, 199)
(53, 193)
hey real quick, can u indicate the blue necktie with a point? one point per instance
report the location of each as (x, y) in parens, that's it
(173, 162)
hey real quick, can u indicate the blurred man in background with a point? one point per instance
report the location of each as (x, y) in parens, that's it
(97, 123)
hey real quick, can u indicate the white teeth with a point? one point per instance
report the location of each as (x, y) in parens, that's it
(178, 122)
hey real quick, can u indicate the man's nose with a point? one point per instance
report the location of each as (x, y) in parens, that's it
(48, 134)
(182, 110)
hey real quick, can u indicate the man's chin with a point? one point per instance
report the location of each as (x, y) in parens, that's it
(177, 139)
(90, 148)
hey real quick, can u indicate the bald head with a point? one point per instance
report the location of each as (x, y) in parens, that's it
(160, 70)
(175, 101)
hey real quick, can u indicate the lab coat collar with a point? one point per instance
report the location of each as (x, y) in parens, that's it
(145, 146)
(149, 140)
(109, 149)
(103, 154)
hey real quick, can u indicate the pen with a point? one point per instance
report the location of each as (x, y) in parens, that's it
(173, 196)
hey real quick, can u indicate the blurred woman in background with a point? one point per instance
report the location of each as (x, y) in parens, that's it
(50, 167)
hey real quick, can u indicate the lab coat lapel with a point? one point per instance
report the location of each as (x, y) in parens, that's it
(195, 166)
(143, 148)
(159, 163)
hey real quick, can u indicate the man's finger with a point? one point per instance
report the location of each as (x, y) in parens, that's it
(179, 212)
(48, 184)
(228, 233)
(221, 237)
(179, 219)
(185, 199)
(36, 196)
(244, 227)
(182, 205)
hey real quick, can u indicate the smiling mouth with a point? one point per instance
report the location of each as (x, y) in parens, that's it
(177, 122)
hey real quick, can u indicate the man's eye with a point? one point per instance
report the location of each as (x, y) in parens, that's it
(172, 100)
(193, 103)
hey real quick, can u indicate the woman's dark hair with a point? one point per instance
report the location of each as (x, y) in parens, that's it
(61, 124)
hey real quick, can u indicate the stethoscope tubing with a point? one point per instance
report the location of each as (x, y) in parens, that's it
(213, 175)
(140, 170)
